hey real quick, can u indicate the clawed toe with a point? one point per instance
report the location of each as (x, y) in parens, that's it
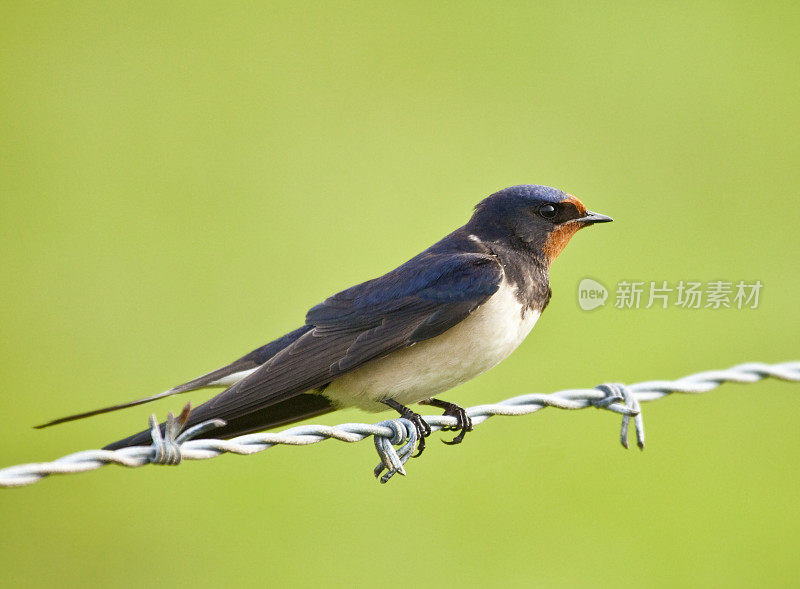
(422, 427)
(463, 423)
(423, 430)
(458, 439)
(462, 426)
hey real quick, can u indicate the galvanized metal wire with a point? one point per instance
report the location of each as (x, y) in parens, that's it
(394, 439)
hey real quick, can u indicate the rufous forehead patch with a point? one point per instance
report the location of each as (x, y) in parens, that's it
(574, 200)
(559, 237)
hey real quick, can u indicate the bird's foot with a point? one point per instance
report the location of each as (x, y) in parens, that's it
(422, 427)
(463, 421)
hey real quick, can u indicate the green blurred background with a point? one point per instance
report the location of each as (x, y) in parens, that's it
(181, 181)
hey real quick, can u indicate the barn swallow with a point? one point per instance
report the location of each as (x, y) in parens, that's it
(445, 316)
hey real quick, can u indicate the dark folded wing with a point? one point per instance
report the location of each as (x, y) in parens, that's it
(419, 300)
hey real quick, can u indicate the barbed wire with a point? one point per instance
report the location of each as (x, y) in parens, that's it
(395, 439)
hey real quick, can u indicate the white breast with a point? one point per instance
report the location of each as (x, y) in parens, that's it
(475, 345)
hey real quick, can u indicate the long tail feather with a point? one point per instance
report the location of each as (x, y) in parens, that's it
(225, 376)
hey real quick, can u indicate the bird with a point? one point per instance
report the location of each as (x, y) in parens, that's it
(443, 317)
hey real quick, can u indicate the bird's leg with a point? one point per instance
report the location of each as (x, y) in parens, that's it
(422, 427)
(463, 421)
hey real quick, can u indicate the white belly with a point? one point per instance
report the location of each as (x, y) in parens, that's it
(413, 374)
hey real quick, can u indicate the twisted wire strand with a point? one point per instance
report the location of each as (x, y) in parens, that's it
(394, 439)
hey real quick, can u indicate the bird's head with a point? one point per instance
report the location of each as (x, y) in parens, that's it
(538, 218)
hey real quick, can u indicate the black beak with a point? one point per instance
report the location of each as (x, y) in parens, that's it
(590, 218)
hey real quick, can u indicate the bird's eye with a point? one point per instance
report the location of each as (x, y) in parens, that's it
(547, 211)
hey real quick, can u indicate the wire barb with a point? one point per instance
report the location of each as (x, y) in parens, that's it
(404, 434)
(174, 445)
(167, 446)
(618, 393)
